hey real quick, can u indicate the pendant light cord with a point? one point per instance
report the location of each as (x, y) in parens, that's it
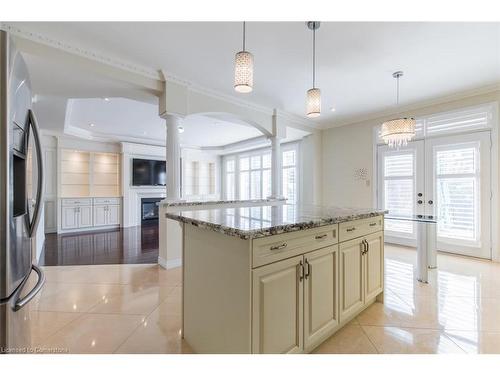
(314, 57)
(244, 35)
(397, 90)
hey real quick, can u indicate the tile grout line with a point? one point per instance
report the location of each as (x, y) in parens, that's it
(368, 337)
(138, 326)
(454, 342)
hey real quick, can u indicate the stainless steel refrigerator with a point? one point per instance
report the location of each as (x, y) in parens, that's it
(21, 191)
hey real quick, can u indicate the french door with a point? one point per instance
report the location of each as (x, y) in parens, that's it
(445, 176)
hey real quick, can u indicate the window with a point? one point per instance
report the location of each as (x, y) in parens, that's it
(198, 179)
(248, 175)
(457, 185)
(454, 122)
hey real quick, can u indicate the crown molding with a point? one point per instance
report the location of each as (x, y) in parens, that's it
(415, 106)
(115, 62)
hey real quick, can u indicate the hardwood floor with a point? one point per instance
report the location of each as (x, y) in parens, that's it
(135, 245)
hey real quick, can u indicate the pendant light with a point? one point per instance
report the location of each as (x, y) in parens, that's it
(398, 132)
(313, 98)
(243, 68)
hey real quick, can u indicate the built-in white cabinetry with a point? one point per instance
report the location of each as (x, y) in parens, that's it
(76, 214)
(106, 211)
(90, 213)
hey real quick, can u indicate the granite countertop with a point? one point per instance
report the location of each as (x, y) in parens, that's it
(200, 203)
(261, 221)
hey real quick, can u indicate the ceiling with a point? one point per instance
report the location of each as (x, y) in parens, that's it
(354, 60)
(126, 119)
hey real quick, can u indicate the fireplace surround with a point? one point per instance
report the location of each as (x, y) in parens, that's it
(149, 210)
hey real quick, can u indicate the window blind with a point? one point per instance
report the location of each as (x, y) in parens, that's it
(460, 121)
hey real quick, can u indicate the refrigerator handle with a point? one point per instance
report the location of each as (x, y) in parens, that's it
(21, 302)
(32, 226)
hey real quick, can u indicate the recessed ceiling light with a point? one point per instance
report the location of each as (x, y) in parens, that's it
(332, 109)
(91, 125)
(180, 129)
(106, 99)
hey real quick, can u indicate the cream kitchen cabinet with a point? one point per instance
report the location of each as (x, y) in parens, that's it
(295, 302)
(361, 273)
(277, 293)
(321, 316)
(278, 307)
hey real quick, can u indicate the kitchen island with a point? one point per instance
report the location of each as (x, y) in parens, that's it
(277, 279)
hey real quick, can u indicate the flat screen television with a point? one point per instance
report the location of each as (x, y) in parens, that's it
(149, 172)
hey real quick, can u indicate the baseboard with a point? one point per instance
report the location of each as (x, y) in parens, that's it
(174, 263)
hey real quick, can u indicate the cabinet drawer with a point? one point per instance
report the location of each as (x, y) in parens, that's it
(76, 201)
(358, 228)
(271, 249)
(107, 200)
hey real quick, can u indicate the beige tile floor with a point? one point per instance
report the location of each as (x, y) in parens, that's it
(137, 309)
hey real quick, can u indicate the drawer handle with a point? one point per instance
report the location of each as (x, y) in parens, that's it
(279, 247)
(321, 236)
(351, 229)
(373, 224)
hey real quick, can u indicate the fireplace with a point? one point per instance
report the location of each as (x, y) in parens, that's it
(149, 210)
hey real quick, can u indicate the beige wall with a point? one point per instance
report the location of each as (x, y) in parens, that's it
(350, 147)
(311, 169)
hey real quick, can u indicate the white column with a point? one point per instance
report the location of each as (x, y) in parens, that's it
(173, 158)
(276, 170)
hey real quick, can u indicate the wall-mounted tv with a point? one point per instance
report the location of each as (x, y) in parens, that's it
(149, 172)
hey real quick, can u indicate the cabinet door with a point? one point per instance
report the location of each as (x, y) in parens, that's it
(85, 216)
(320, 295)
(113, 215)
(351, 278)
(374, 265)
(69, 218)
(278, 307)
(99, 215)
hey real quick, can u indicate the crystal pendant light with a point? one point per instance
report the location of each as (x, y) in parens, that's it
(243, 69)
(398, 132)
(313, 98)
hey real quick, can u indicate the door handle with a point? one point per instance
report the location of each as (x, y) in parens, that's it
(308, 269)
(301, 271)
(366, 247)
(21, 302)
(33, 225)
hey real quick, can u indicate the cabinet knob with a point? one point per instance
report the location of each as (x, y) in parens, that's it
(351, 229)
(321, 236)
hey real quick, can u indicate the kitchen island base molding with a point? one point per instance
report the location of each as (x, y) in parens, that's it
(283, 293)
